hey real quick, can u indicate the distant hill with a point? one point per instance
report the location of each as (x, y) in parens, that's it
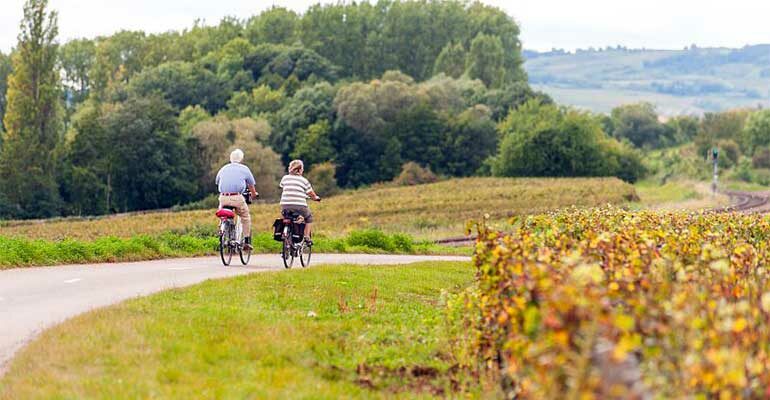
(690, 81)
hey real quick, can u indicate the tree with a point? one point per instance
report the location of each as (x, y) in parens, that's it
(321, 176)
(276, 25)
(191, 116)
(494, 21)
(756, 133)
(87, 173)
(227, 63)
(544, 140)
(470, 139)
(76, 59)
(217, 137)
(419, 131)
(261, 100)
(448, 95)
(150, 164)
(182, 84)
(509, 97)
(451, 61)
(485, 60)
(343, 33)
(761, 158)
(720, 126)
(638, 123)
(33, 117)
(683, 128)
(308, 106)
(364, 157)
(5, 71)
(118, 58)
(314, 144)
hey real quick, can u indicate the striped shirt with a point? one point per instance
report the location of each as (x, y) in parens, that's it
(295, 190)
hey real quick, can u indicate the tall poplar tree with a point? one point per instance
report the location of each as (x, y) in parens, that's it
(32, 119)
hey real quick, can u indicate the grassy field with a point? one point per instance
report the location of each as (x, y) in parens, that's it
(431, 211)
(678, 195)
(322, 333)
(746, 186)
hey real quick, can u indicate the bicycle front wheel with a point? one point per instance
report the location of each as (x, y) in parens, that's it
(304, 256)
(245, 255)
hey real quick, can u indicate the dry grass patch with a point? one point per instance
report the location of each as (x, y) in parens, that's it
(427, 211)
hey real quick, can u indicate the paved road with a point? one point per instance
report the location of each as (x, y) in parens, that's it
(32, 299)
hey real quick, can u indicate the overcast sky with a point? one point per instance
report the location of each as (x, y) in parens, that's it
(546, 24)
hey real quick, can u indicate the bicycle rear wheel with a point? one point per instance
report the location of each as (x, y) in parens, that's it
(225, 251)
(286, 251)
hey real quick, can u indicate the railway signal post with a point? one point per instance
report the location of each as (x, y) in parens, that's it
(715, 159)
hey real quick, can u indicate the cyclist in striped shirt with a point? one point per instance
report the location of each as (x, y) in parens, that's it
(296, 191)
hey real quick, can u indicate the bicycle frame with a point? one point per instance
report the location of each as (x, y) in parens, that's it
(232, 228)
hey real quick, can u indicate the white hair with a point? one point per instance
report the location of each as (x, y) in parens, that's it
(296, 166)
(236, 156)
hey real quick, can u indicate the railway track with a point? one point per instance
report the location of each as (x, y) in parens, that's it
(746, 202)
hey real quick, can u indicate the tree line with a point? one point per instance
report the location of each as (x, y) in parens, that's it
(134, 121)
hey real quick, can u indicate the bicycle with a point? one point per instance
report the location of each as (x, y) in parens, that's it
(231, 235)
(289, 232)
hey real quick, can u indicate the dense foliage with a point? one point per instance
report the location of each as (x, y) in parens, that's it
(33, 119)
(614, 304)
(134, 121)
(545, 140)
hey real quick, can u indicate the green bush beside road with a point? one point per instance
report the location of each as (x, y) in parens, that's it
(22, 252)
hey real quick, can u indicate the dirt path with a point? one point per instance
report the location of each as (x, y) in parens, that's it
(33, 299)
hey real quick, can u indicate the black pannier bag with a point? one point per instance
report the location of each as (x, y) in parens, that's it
(297, 232)
(278, 230)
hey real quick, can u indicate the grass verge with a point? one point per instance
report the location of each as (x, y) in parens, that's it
(21, 252)
(325, 332)
(677, 195)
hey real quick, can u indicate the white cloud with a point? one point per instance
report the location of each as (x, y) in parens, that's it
(545, 23)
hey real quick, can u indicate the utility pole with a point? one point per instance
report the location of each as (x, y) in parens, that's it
(715, 159)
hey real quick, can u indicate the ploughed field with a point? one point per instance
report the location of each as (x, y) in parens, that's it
(607, 303)
(427, 211)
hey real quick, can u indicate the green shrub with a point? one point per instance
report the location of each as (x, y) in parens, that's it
(403, 242)
(414, 174)
(371, 238)
(761, 158)
(546, 140)
(376, 239)
(20, 252)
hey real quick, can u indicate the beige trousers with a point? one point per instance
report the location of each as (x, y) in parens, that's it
(241, 208)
